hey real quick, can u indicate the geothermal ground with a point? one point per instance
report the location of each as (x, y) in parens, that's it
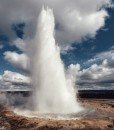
(99, 116)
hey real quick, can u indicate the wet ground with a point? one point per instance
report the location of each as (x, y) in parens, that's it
(98, 115)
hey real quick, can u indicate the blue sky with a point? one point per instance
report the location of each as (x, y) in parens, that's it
(80, 53)
(103, 41)
(87, 33)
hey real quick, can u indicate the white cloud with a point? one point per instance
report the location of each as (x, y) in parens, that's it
(102, 56)
(79, 25)
(97, 72)
(97, 76)
(75, 19)
(13, 80)
(19, 60)
(14, 77)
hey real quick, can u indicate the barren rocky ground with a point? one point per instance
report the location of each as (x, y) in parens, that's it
(99, 117)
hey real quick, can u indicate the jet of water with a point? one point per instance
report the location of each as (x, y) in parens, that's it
(51, 93)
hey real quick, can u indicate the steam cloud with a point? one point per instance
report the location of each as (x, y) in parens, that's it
(52, 92)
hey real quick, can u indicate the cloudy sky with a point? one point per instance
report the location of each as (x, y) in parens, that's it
(84, 31)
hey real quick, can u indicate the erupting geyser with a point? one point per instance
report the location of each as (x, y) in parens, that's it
(51, 93)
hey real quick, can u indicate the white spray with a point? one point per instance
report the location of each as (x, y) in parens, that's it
(51, 93)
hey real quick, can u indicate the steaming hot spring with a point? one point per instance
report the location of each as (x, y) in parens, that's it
(53, 93)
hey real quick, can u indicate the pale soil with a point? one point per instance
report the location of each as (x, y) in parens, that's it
(101, 118)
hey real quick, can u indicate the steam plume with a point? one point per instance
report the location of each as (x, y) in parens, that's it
(52, 93)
